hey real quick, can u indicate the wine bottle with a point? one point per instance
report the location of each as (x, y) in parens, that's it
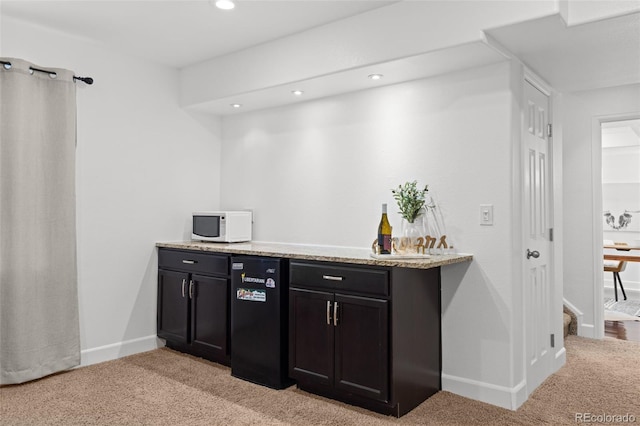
(384, 232)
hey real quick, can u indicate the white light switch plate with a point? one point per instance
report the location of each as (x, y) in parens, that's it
(486, 214)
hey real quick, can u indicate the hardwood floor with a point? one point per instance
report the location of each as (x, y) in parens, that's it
(623, 330)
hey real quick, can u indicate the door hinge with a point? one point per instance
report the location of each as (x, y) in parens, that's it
(549, 130)
(553, 340)
(550, 234)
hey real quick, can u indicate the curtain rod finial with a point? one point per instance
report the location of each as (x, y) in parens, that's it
(87, 80)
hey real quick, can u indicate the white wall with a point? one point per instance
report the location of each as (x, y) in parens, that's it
(582, 196)
(318, 172)
(143, 165)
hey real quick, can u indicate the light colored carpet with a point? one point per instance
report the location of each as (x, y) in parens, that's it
(163, 387)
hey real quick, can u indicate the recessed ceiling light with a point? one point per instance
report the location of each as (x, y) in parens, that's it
(375, 76)
(225, 4)
(297, 92)
(236, 105)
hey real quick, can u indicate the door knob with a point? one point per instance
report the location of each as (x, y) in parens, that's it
(535, 254)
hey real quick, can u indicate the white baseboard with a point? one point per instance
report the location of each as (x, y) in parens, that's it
(587, 330)
(502, 396)
(119, 350)
(510, 398)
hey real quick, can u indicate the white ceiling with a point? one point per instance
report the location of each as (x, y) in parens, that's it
(599, 54)
(179, 33)
(395, 71)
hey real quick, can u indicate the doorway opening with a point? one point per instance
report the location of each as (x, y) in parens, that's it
(621, 226)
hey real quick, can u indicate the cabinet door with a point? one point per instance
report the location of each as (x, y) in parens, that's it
(362, 346)
(209, 312)
(173, 306)
(311, 334)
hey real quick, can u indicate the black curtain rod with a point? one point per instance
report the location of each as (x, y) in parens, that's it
(87, 80)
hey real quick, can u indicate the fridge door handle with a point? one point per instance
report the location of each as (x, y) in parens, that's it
(335, 314)
(190, 289)
(184, 283)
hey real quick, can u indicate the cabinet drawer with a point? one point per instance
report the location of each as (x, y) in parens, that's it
(343, 278)
(193, 261)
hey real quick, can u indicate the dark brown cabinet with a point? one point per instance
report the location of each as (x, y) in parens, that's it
(311, 336)
(361, 346)
(173, 307)
(340, 341)
(368, 336)
(193, 303)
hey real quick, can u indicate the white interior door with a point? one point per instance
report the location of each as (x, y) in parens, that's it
(538, 247)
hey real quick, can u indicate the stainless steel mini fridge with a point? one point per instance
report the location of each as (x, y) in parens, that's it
(259, 320)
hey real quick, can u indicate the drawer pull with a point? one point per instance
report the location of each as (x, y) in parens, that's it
(184, 282)
(328, 312)
(189, 262)
(332, 278)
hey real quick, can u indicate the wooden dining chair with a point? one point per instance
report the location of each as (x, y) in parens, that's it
(616, 266)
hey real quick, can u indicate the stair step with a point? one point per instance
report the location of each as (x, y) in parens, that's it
(567, 321)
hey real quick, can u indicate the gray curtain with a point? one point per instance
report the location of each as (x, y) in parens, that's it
(39, 326)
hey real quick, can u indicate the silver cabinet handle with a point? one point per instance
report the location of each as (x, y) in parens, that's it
(189, 262)
(335, 314)
(328, 312)
(332, 278)
(190, 289)
(184, 282)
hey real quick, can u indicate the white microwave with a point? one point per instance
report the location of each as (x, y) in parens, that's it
(222, 226)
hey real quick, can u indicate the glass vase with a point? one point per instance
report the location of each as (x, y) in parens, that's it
(411, 238)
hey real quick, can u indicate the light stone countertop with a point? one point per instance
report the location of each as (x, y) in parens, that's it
(360, 256)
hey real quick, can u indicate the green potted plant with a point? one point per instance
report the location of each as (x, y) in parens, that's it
(410, 200)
